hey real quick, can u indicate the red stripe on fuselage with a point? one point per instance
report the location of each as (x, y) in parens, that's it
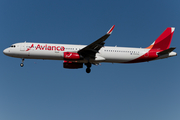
(150, 55)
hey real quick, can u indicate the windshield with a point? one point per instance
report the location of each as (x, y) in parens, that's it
(12, 46)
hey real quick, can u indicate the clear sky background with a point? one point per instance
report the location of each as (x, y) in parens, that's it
(44, 90)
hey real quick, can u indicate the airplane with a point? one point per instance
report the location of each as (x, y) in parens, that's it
(74, 56)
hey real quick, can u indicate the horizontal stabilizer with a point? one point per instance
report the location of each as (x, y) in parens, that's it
(166, 51)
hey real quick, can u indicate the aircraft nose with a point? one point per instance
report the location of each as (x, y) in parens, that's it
(5, 51)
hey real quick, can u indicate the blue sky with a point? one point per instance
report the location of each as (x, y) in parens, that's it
(44, 90)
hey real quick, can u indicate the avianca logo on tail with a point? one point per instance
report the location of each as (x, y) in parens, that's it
(46, 47)
(164, 40)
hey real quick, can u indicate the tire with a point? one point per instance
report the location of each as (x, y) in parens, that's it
(21, 64)
(88, 70)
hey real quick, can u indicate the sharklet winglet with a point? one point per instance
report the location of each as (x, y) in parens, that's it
(110, 30)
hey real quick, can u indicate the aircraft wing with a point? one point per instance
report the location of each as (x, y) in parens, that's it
(90, 50)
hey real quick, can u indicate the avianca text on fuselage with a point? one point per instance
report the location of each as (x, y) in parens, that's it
(94, 53)
(47, 47)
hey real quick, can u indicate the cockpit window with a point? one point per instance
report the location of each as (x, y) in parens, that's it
(12, 46)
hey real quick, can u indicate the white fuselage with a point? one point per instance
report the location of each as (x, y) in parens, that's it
(28, 50)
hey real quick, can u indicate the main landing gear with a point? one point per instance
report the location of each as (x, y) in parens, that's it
(22, 64)
(88, 69)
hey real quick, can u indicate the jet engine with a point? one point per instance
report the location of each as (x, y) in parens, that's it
(72, 65)
(71, 56)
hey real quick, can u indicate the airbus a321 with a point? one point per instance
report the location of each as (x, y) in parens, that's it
(74, 56)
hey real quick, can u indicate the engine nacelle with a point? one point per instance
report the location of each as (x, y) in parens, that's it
(71, 56)
(72, 65)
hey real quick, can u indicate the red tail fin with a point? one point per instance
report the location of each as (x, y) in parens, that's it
(164, 40)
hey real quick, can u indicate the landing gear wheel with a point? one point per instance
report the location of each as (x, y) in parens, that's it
(21, 64)
(88, 70)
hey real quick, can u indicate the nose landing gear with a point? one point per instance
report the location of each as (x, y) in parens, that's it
(88, 69)
(22, 64)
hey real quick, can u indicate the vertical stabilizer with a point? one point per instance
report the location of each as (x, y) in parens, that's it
(164, 40)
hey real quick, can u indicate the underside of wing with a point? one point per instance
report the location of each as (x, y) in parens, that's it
(166, 51)
(90, 51)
